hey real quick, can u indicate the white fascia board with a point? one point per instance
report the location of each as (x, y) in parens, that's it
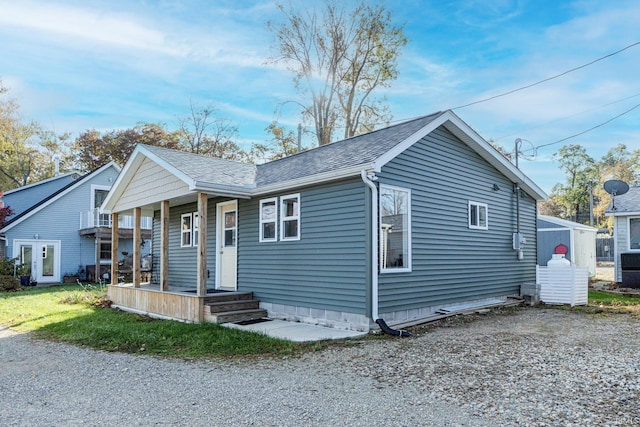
(59, 196)
(629, 213)
(313, 179)
(466, 134)
(221, 190)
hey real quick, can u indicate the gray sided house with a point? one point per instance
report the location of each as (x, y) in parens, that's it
(58, 228)
(394, 224)
(579, 239)
(625, 211)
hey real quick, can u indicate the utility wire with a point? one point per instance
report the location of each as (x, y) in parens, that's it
(567, 117)
(590, 129)
(548, 78)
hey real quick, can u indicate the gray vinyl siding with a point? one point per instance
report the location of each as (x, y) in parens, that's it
(182, 261)
(60, 220)
(450, 262)
(326, 268)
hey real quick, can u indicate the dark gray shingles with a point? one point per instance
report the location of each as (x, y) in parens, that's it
(628, 202)
(205, 169)
(351, 152)
(342, 154)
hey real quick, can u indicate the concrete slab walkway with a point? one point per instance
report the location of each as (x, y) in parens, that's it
(296, 331)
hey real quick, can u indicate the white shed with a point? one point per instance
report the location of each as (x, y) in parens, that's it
(580, 240)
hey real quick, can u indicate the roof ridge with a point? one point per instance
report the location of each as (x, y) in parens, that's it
(341, 141)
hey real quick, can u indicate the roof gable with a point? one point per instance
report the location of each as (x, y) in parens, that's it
(56, 195)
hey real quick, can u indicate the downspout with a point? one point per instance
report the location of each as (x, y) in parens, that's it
(368, 180)
(374, 242)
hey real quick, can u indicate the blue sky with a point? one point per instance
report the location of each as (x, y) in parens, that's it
(77, 65)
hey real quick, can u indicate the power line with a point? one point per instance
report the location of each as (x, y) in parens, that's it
(590, 129)
(548, 78)
(569, 116)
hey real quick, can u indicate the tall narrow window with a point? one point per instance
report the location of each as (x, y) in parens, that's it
(395, 229)
(186, 230)
(290, 217)
(196, 228)
(478, 216)
(268, 220)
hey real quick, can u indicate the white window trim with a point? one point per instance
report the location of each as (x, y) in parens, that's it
(183, 232)
(478, 205)
(629, 233)
(195, 229)
(284, 218)
(409, 263)
(273, 200)
(95, 187)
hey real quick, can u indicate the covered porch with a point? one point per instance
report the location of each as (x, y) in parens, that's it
(149, 186)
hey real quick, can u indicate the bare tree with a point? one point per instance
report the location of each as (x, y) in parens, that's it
(204, 131)
(339, 58)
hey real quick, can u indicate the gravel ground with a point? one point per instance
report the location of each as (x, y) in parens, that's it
(525, 367)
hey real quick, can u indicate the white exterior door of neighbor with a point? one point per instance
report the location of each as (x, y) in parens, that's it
(42, 258)
(227, 245)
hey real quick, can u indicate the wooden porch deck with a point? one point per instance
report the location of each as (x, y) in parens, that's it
(180, 303)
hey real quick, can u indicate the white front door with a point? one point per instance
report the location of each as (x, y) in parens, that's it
(227, 242)
(42, 258)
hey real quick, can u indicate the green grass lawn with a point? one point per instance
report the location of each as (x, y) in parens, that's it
(76, 314)
(73, 314)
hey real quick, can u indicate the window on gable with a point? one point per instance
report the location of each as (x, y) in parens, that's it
(395, 229)
(478, 215)
(634, 233)
(186, 230)
(290, 217)
(268, 220)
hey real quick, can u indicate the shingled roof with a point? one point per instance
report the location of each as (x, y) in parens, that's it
(339, 160)
(626, 203)
(206, 169)
(354, 151)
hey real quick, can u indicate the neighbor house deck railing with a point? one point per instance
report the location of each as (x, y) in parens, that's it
(94, 218)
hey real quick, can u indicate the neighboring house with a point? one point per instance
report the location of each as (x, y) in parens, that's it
(579, 239)
(625, 211)
(58, 228)
(395, 224)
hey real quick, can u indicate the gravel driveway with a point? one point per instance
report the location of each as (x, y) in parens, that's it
(538, 367)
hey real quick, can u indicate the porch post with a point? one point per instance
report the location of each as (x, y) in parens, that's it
(137, 240)
(164, 245)
(201, 263)
(114, 250)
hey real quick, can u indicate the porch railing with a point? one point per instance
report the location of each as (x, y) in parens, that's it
(94, 218)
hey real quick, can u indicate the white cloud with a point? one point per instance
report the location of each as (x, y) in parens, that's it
(86, 26)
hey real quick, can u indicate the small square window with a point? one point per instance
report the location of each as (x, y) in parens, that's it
(478, 215)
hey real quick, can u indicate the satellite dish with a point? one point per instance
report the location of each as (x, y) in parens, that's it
(615, 188)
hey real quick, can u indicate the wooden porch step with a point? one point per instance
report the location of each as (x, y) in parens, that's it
(233, 305)
(238, 316)
(228, 296)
